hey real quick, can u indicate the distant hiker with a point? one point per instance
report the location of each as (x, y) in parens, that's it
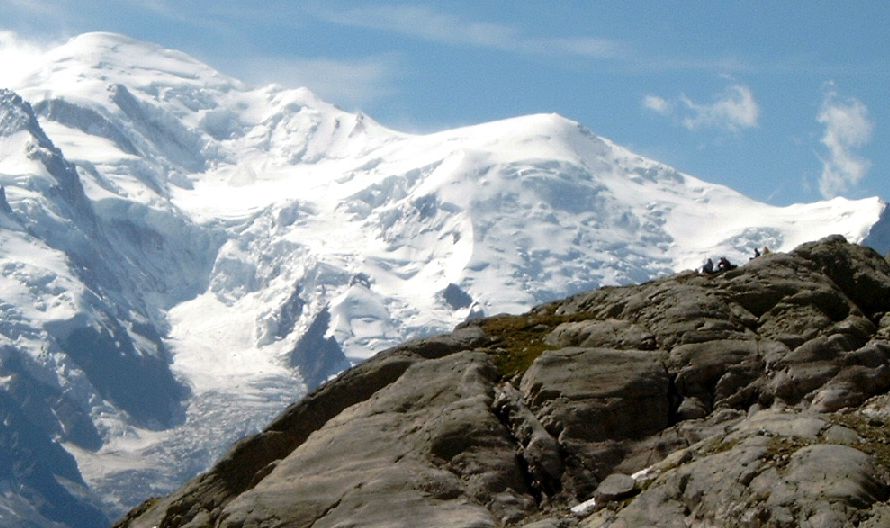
(725, 265)
(756, 253)
(765, 250)
(708, 267)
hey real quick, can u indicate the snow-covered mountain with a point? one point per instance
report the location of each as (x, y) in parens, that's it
(182, 254)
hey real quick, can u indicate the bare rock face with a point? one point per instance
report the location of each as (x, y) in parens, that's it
(755, 397)
(454, 468)
(592, 400)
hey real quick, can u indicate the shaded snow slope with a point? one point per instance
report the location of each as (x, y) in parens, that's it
(228, 246)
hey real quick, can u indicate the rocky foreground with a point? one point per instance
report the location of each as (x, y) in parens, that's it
(755, 397)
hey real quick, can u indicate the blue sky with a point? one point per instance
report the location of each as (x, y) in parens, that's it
(783, 101)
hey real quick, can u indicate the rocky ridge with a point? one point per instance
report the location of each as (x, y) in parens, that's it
(755, 397)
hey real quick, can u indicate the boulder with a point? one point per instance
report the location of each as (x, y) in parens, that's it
(616, 486)
(591, 399)
(611, 333)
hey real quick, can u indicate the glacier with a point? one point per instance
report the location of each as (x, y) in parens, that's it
(183, 254)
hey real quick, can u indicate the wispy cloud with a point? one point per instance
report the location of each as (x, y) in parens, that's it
(29, 6)
(847, 127)
(349, 82)
(18, 58)
(429, 24)
(658, 104)
(733, 110)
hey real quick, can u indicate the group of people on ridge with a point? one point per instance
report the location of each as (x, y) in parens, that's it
(723, 264)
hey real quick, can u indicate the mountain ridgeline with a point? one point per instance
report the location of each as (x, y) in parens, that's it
(182, 256)
(753, 397)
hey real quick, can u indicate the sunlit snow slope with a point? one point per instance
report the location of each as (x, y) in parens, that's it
(229, 246)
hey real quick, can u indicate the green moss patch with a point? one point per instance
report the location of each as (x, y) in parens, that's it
(715, 446)
(780, 448)
(520, 339)
(874, 432)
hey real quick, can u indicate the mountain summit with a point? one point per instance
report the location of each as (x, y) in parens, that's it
(185, 254)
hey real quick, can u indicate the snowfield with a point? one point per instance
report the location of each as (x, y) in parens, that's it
(235, 246)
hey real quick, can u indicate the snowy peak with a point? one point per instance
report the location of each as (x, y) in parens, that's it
(125, 103)
(551, 137)
(110, 58)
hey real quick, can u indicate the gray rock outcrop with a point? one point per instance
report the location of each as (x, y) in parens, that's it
(755, 397)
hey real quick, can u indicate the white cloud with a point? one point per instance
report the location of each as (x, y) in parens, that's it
(847, 127)
(437, 26)
(657, 104)
(18, 58)
(733, 109)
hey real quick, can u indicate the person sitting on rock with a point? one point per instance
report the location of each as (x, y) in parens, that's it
(708, 267)
(725, 265)
(756, 253)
